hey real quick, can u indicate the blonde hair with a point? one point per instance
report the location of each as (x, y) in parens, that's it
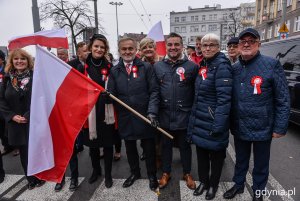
(147, 41)
(18, 52)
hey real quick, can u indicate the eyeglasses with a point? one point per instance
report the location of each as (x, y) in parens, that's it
(232, 46)
(250, 42)
(204, 46)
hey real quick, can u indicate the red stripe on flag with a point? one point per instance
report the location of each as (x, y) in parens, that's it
(75, 99)
(54, 42)
(161, 48)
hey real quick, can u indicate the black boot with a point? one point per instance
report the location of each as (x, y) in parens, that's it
(94, 176)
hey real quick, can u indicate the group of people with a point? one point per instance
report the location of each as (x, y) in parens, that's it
(198, 99)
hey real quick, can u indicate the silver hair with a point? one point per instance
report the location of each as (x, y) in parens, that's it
(210, 37)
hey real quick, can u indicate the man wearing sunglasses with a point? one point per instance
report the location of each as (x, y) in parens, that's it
(260, 112)
(232, 48)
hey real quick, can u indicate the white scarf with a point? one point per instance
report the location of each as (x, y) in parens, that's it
(109, 117)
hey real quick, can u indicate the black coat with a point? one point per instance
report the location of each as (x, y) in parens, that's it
(140, 93)
(13, 103)
(75, 63)
(176, 97)
(105, 133)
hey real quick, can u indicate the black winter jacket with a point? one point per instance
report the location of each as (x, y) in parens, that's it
(140, 93)
(176, 95)
(209, 120)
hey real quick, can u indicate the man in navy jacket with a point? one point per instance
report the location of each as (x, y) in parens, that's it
(260, 112)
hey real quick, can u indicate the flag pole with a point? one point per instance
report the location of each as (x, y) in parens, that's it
(138, 114)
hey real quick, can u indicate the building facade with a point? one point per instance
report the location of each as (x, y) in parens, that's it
(269, 15)
(226, 23)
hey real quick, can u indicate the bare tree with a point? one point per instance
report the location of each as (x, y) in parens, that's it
(73, 16)
(234, 24)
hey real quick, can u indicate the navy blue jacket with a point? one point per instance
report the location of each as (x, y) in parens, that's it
(209, 121)
(176, 96)
(256, 116)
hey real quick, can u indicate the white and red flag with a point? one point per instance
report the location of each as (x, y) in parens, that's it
(61, 101)
(156, 33)
(47, 38)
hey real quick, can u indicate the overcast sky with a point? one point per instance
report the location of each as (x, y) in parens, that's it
(16, 16)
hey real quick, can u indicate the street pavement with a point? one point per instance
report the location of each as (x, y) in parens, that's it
(284, 177)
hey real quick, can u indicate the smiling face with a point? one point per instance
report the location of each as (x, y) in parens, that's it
(98, 49)
(174, 48)
(248, 47)
(149, 51)
(209, 48)
(20, 62)
(127, 50)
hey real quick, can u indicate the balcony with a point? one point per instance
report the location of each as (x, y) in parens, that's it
(268, 18)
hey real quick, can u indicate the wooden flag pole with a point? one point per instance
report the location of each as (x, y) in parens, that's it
(138, 114)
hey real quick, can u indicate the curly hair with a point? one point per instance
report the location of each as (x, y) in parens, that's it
(18, 52)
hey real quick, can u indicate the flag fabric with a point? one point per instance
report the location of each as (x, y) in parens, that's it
(61, 101)
(47, 38)
(156, 33)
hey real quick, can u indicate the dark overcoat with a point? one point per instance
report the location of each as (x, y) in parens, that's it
(13, 102)
(140, 93)
(105, 133)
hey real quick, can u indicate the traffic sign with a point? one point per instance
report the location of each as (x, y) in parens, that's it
(283, 28)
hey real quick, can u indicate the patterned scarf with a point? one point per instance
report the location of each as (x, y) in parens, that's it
(19, 80)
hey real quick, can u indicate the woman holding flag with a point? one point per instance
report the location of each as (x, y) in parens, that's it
(15, 99)
(100, 127)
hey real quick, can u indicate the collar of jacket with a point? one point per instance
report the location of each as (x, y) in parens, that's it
(244, 62)
(136, 62)
(182, 59)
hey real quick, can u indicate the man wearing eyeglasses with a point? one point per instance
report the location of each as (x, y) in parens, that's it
(260, 112)
(232, 48)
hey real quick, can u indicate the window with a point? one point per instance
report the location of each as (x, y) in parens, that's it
(176, 29)
(269, 35)
(183, 19)
(210, 17)
(276, 29)
(203, 17)
(176, 19)
(212, 27)
(289, 2)
(203, 28)
(194, 28)
(183, 29)
(194, 18)
(262, 35)
(215, 16)
(193, 38)
(183, 39)
(224, 16)
(297, 24)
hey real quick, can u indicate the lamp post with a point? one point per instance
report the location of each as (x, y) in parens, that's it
(116, 4)
(96, 15)
(35, 16)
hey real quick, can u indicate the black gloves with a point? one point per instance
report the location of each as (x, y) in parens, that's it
(153, 119)
(104, 95)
